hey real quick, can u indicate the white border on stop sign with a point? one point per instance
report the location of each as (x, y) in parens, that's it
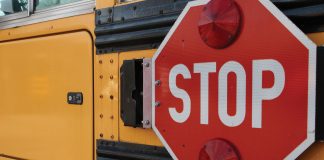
(311, 73)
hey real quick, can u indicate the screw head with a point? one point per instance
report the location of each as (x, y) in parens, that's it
(147, 64)
(157, 83)
(157, 104)
(146, 122)
(111, 61)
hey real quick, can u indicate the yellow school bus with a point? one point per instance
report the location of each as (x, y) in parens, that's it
(68, 76)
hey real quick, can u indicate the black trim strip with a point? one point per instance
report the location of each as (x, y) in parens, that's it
(286, 4)
(132, 36)
(308, 15)
(309, 12)
(320, 95)
(141, 24)
(135, 26)
(129, 151)
(11, 157)
(309, 19)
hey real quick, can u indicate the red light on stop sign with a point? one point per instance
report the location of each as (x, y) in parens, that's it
(218, 149)
(219, 23)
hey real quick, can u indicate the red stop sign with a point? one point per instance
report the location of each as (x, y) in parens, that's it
(254, 99)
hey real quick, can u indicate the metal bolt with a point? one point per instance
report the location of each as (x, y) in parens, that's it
(112, 136)
(101, 76)
(157, 83)
(100, 61)
(111, 117)
(101, 135)
(154, 45)
(146, 122)
(101, 115)
(157, 104)
(111, 61)
(111, 77)
(111, 97)
(147, 64)
(101, 96)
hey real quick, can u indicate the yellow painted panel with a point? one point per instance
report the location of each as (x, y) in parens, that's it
(130, 134)
(315, 152)
(104, 3)
(317, 38)
(106, 96)
(35, 76)
(75, 23)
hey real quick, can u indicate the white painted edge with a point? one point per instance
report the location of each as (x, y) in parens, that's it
(157, 53)
(53, 13)
(311, 76)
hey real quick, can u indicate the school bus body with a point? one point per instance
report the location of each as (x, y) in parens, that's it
(40, 63)
(38, 68)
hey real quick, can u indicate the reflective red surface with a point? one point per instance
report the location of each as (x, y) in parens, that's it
(261, 37)
(219, 23)
(218, 149)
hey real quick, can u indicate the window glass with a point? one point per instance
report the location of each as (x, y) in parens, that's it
(43, 4)
(12, 6)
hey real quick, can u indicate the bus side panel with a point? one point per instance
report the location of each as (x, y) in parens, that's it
(314, 152)
(36, 122)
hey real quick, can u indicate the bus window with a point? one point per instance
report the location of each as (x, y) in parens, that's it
(12, 6)
(44, 4)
